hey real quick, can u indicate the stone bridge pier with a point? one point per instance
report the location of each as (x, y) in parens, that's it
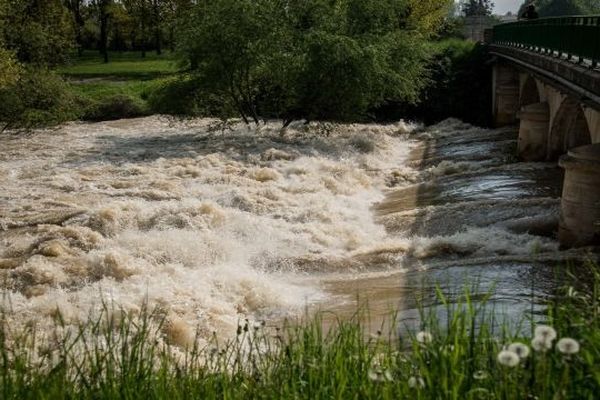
(556, 123)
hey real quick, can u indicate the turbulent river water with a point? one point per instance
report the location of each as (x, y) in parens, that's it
(216, 223)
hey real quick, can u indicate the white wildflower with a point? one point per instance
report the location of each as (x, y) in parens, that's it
(520, 349)
(379, 375)
(424, 337)
(546, 332)
(480, 375)
(479, 393)
(378, 360)
(508, 358)
(416, 382)
(540, 344)
(568, 346)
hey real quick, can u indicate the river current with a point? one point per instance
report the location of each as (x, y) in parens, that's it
(214, 223)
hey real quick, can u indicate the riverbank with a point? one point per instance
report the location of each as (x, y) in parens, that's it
(110, 356)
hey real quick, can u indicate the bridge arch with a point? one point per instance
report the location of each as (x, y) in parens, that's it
(529, 92)
(569, 129)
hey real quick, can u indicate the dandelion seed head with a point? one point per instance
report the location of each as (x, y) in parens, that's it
(416, 382)
(520, 349)
(479, 393)
(388, 375)
(546, 332)
(424, 337)
(378, 360)
(480, 375)
(540, 344)
(379, 375)
(568, 346)
(508, 358)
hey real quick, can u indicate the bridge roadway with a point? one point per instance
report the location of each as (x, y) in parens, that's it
(546, 78)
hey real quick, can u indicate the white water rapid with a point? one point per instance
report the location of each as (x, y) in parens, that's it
(216, 223)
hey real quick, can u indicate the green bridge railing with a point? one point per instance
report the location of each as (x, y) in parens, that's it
(569, 37)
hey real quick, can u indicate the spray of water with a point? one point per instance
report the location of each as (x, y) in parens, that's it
(214, 223)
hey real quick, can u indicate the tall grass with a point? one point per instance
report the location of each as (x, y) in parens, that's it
(455, 356)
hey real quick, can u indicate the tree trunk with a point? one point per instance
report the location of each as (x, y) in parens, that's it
(157, 27)
(104, 29)
(75, 7)
(143, 27)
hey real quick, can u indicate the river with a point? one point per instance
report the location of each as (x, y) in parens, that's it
(214, 223)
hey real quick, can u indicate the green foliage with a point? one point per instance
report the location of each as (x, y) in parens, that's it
(184, 96)
(9, 68)
(39, 32)
(460, 86)
(115, 107)
(37, 98)
(477, 7)
(455, 356)
(313, 59)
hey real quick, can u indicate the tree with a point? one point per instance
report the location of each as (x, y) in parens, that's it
(9, 67)
(76, 9)
(103, 8)
(428, 15)
(472, 8)
(312, 59)
(174, 11)
(142, 13)
(37, 31)
(157, 6)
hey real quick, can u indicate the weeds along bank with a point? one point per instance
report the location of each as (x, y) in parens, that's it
(110, 356)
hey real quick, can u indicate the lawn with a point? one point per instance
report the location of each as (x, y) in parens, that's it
(122, 66)
(119, 88)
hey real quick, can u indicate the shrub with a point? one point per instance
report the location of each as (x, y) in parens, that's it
(37, 98)
(9, 68)
(185, 96)
(115, 107)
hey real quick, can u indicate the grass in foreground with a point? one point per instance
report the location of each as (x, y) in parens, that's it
(466, 356)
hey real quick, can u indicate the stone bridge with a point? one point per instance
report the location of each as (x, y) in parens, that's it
(547, 79)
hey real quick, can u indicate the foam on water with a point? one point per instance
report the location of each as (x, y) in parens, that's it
(214, 223)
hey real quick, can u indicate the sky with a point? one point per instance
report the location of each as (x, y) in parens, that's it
(504, 6)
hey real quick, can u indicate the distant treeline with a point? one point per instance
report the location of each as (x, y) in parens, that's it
(255, 59)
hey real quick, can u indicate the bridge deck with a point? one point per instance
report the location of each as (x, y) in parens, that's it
(564, 51)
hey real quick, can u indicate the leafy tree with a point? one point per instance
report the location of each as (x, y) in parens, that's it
(76, 9)
(308, 58)
(103, 10)
(427, 16)
(477, 8)
(37, 31)
(227, 43)
(9, 68)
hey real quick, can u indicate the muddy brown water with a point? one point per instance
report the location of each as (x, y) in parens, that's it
(215, 223)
